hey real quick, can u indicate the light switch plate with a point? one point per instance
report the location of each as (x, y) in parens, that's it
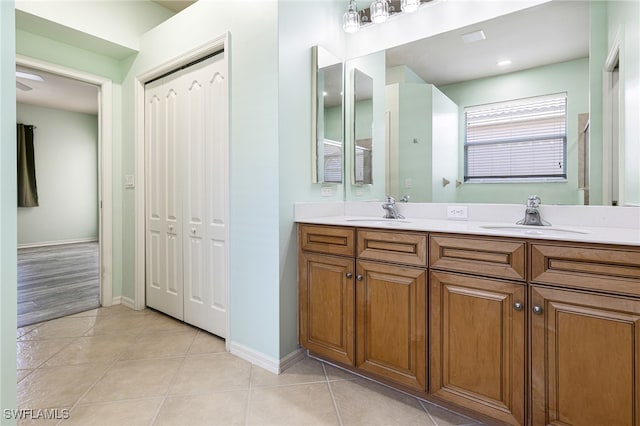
(129, 181)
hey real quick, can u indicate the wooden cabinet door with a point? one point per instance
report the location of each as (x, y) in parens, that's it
(326, 306)
(585, 359)
(477, 344)
(391, 322)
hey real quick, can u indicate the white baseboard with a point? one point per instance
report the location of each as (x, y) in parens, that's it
(294, 357)
(58, 243)
(124, 300)
(264, 361)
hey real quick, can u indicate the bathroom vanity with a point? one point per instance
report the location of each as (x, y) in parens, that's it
(522, 328)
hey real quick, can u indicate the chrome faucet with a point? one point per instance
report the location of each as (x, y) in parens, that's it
(390, 208)
(532, 214)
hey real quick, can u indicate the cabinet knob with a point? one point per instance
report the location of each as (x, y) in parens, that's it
(537, 310)
(193, 230)
(359, 277)
(170, 227)
(517, 306)
(349, 275)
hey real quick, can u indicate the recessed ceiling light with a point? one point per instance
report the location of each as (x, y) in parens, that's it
(504, 63)
(28, 76)
(324, 93)
(473, 36)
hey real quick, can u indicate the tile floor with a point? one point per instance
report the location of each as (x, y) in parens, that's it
(115, 366)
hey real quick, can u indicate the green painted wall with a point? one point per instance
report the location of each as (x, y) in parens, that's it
(8, 196)
(66, 157)
(624, 22)
(571, 77)
(301, 24)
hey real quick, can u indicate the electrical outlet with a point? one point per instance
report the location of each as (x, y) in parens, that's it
(457, 212)
(326, 191)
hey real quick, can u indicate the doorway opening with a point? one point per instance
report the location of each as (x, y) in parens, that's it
(74, 273)
(613, 149)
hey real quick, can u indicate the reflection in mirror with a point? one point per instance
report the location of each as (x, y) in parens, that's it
(327, 140)
(363, 127)
(465, 71)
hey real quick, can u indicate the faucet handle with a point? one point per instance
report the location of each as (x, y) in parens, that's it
(405, 198)
(533, 201)
(389, 199)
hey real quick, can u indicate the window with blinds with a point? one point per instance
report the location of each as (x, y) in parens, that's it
(332, 161)
(520, 140)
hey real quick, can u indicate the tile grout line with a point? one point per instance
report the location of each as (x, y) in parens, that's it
(173, 379)
(427, 411)
(333, 398)
(249, 392)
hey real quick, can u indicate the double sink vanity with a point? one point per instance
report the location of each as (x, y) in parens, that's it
(523, 325)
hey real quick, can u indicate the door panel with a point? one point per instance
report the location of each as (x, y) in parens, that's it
(391, 322)
(326, 302)
(206, 172)
(477, 344)
(164, 254)
(187, 178)
(585, 359)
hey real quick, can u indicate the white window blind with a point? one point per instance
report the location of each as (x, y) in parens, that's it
(524, 139)
(332, 161)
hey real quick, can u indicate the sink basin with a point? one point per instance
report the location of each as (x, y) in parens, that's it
(381, 221)
(533, 230)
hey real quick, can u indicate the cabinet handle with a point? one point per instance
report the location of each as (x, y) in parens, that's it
(349, 275)
(537, 310)
(359, 277)
(517, 306)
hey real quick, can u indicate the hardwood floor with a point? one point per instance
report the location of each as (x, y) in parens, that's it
(56, 281)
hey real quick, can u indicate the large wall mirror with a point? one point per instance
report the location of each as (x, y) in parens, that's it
(530, 54)
(327, 134)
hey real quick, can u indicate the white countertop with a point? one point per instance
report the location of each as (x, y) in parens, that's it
(585, 234)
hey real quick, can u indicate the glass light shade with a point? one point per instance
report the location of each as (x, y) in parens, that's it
(351, 21)
(379, 11)
(409, 6)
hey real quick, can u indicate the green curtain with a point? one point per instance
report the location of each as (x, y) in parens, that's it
(27, 188)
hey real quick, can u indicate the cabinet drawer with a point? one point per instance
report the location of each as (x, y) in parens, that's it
(327, 239)
(603, 269)
(406, 248)
(487, 257)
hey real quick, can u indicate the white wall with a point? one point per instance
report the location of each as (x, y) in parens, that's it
(66, 159)
(624, 22)
(8, 196)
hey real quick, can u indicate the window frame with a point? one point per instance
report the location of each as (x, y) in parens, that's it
(532, 100)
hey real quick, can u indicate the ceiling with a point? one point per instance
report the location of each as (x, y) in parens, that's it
(549, 33)
(553, 32)
(175, 5)
(57, 92)
(64, 93)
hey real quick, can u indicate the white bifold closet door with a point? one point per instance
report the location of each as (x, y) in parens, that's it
(186, 152)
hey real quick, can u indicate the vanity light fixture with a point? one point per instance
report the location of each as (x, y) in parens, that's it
(379, 11)
(409, 6)
(351, 18)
